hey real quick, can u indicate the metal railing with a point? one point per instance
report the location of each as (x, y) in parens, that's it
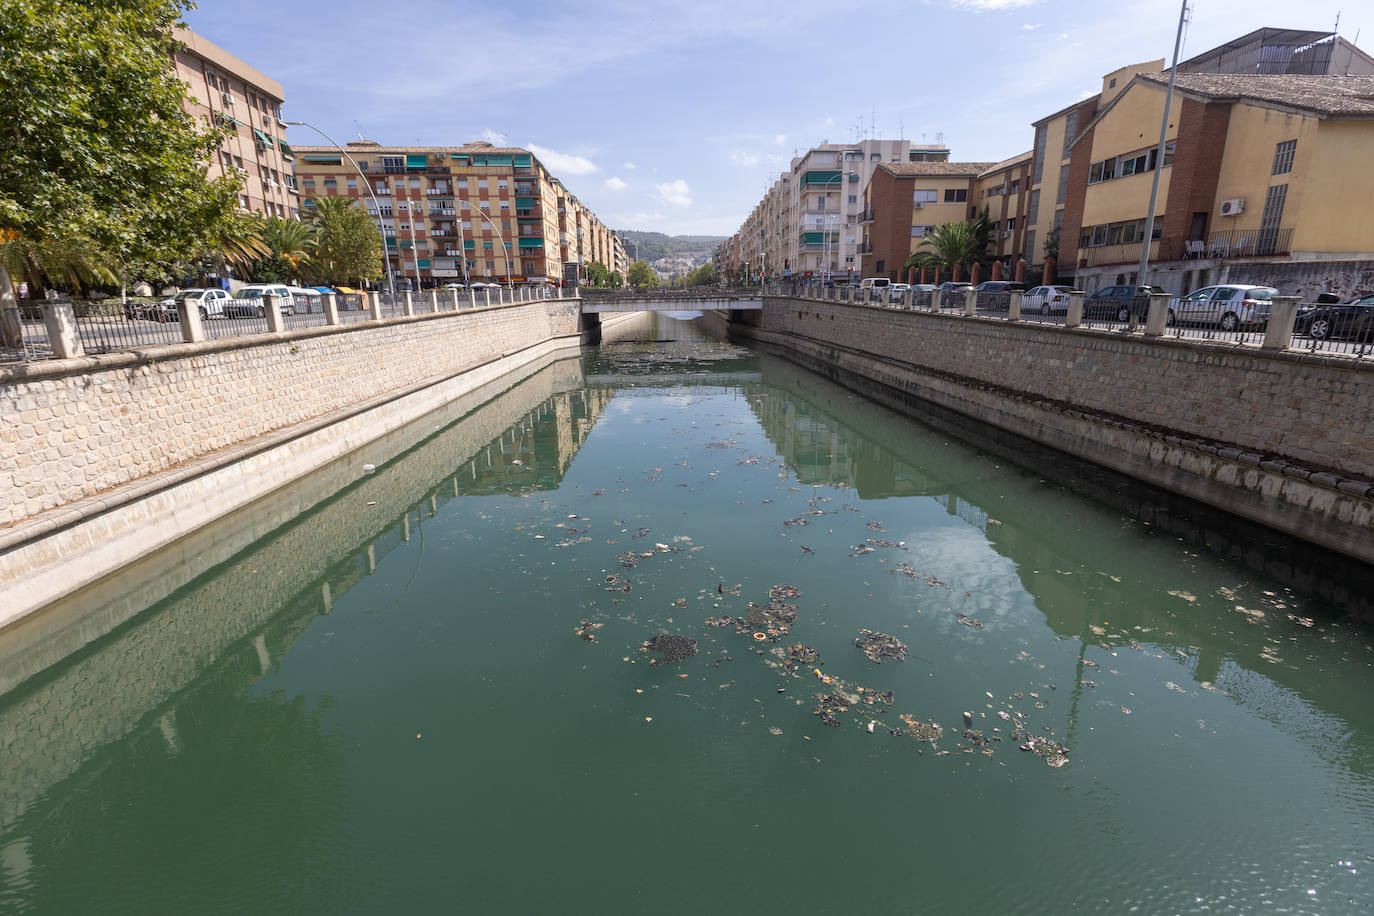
(1347, 333)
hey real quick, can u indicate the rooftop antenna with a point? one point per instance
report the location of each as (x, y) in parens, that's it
(360, 130)
(873, 122)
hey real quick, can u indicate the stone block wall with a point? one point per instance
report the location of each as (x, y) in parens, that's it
(1318, 411)
(72, 429)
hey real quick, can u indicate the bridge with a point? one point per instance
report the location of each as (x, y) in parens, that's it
(683, 299)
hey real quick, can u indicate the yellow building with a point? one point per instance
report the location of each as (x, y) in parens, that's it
(1258, 170)
(1004, 192)
(230, 93)
(475, 212)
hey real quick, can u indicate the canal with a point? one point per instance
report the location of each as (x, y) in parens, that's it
(424, 686)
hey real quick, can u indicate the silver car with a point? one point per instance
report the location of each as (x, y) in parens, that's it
(1046, 299)
(1229, 307)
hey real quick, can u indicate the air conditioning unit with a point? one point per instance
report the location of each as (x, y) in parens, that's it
(1006, 234)
(1233, 207)
(919, 204)
(271, 183)
(241, 170)
(227, 97)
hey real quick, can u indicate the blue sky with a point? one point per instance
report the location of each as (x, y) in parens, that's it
(674, 116)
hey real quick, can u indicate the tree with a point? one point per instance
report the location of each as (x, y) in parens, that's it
(1051, 246)
(981, 230)
(705, 275)
(642, 276)
(597, 273)
(292, 241)
(349, 248)
(615, 280)
(97, 152)
(946, 246)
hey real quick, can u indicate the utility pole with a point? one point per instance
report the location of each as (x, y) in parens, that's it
(1159, 152)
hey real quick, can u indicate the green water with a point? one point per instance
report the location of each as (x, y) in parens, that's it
(384, 705)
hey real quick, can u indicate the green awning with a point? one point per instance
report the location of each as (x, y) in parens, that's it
(853, 177)
(525, 203)
(522, 162)
(391, 241)
(491, 160)
(813, 238)
(325, 160)
(417, 162)
(469, 244)
(422, 263)
(820, 178)
(531, 243)
(462, 157)
(285, 150)
(263, 138)
(407, 243)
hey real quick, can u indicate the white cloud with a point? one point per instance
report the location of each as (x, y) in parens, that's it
(631, 166)
(492, 137)
(780, 139)
(674, 193)
(615, 184)
(739, 157)
(1031, 28)
(981, 5)
(563, 163)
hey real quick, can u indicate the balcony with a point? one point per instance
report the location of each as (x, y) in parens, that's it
(439, 191)
(1224, 244)
(867, 215)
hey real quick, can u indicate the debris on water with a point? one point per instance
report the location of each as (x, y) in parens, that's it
(783, 592)
(1174, 687)
(828, 704)
(976, 738)
(875, 525)
(879, 542)
(641, 532)
(721, 621)
(993, 521)
(800, 655)
(587, 630)
(968, 720)
(680, 603)
(968, 621)
(1055, 754)
(879, 646)
(774, 730)
(795, 523)
(1186, 596)
(860, 550)
(921, 731)
(774, 619)
(807, 550)
(617, 583)
(672, 647)
(1300, 621)
(629, 559)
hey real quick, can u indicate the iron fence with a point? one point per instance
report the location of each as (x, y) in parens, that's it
(146, 327)
(993, 303)
(22, 337)
(1342, 331)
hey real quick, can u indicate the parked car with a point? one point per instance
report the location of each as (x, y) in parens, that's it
(210, 304)
(1000, 286)
(1227, 307)
(1350, 320)
(924, 287)
(953, 286)
(307, 299)
(1117, 302)
(874, 282)
(248, 303)
(898, 287)
(1046, 300)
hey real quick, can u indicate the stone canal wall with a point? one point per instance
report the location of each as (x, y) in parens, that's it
(71, 429)
(1286, 439)
(106, 459)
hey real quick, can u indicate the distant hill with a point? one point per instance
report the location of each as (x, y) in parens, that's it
(653, 246)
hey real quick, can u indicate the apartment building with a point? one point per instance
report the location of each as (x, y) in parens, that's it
(807, 223)
(906, 200)
(471, 212)
(1258, 170)
(237, 96)
(1266, 51)
(1003, 192)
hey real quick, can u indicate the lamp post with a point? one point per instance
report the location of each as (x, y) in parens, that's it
(386, 261)
(825, 241)
(504, 251)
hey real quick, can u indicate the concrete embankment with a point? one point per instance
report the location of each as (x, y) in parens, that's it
(105, 459)
(1281, 438)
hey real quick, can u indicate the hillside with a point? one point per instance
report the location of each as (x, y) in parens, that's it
(655, 246)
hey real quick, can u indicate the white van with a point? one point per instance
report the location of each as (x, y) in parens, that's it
(247, 302)
(874, 283)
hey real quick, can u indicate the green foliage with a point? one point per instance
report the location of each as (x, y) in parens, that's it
(650, 246)
(642, 276)
(597, 274)
(274, 268)
(349, 250)
(615, 280)
(946, 246)
(290, 239)
(705, 275)
(96, 149)
(982, 238)
(1051, 246)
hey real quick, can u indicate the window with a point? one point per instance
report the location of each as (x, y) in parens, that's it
(405, 227)
(853, 198)
(481, 184)
(505, 205)
(227, 160)
(956, 195)
(820, 202)
(1011, 223)
(462, 184)
(1041, 131)
(1063, 192)
(352, 184)
(414, 184)
(331, 184)
(1030, 245)
(1015, 186)
(921, 231)
(501, 184)
(1070, 127)
(394, 165)
(1283, 157)
(402, 206)
(875, 157)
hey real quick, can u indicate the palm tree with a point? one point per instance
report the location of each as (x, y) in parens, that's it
(239, 243)
(291, 239)
(948, 245)
(70, 262)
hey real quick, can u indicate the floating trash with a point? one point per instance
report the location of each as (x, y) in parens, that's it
(369, 468)
(587, 630)
(721, 621)
(672, 647)
(1055, 754)
(784, 592)
(799, 655)
(879, 646)
(921, 731)
(968, 621)
(828, 704)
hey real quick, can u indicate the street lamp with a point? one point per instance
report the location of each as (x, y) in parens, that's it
(504, 251)
(825, 241)
(386, 261)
